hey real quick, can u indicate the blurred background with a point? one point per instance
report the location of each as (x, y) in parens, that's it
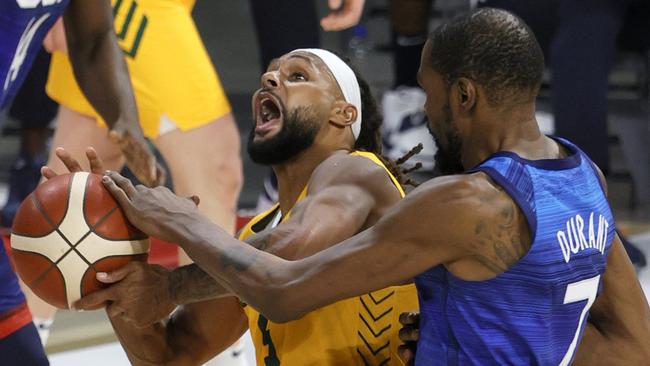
(595, 92)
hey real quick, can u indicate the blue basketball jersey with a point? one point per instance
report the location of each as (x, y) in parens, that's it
(23, 26)
(535, 312)
(10, 294)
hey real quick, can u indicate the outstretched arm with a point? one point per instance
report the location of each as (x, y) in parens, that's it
(338, 205)
(419, 232)
(101, 72)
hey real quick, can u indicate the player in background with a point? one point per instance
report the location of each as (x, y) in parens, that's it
(100, 69)
(182, 106)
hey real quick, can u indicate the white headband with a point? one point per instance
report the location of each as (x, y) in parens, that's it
(345, 78)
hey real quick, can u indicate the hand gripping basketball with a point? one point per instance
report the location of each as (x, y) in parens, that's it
(69, 229)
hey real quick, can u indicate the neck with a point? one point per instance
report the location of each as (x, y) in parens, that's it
(294, 174)
(508, 129)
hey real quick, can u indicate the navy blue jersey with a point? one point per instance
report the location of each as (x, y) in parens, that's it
(10, 294)
(535, 312)
(23, 26)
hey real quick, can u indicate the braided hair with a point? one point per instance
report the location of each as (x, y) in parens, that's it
(370, 135)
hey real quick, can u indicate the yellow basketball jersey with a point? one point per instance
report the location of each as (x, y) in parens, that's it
(356, 331)
(171, 72)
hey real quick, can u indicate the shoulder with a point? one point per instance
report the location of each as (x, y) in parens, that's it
(351, 170)
(463, 190)
(458, 204)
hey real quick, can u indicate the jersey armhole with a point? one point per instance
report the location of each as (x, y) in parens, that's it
(597, 173)
(523, 204)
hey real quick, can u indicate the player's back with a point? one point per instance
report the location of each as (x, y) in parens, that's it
(535, 312)
(23, 25)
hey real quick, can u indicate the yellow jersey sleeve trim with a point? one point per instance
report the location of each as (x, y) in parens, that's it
(375, 159)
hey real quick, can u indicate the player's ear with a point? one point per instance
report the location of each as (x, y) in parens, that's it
(463, 94)
(343, 114)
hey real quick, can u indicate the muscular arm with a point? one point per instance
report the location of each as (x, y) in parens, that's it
(338, 205)
(101, 73)
(97, 60)
(421, 231)
(618, 329)
(194, 334)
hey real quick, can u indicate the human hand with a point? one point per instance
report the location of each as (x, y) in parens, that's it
(157, 212)
(139, 157)
(139, 293)
(73, 166)
(343, 14)
(409, 335)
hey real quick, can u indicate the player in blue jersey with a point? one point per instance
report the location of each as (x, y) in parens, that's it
(514, 252)
(97, 61)
(100, 70)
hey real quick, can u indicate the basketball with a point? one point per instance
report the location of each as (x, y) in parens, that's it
(65, 232)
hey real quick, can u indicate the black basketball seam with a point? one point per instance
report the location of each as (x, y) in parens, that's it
(40, 277)
(36, 203)
(47, 218)
(104, 218)
(99, 222)
(95, 269)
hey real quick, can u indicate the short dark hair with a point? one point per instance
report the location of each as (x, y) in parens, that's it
(493, 47)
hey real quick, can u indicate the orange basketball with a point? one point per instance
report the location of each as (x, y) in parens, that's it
(65, 232)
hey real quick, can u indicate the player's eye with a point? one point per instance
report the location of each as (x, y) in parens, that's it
(297, 76)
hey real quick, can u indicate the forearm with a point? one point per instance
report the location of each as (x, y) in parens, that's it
(144, 347)
(597, 347)
(257, 278)
(192, 335)
(101, 72)
(189, 284)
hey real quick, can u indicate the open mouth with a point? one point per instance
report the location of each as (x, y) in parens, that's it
(268, 112)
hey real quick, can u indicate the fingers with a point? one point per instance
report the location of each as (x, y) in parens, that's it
(117, 192)
(116, 136)
(116, 275)
(407, 354)
(94, 300)
(344, 18)
(96, 163)
(123, 183)
(195, 199)
(138, 155)
(48, 173)
(71, 163)
(409, 318)
(334, 4)
(409, 334)
(161, 175)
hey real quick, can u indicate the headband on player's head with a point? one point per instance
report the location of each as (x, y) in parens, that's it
(345, 78)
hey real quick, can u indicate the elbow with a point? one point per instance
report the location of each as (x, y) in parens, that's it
(284, 312)
(281, 305)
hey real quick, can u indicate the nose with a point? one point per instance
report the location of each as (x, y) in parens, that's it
(270, 79)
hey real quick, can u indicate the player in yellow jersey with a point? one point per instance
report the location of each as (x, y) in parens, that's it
(332, 185)
(181, 105)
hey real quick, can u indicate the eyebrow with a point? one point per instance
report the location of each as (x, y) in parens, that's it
(300, 56)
